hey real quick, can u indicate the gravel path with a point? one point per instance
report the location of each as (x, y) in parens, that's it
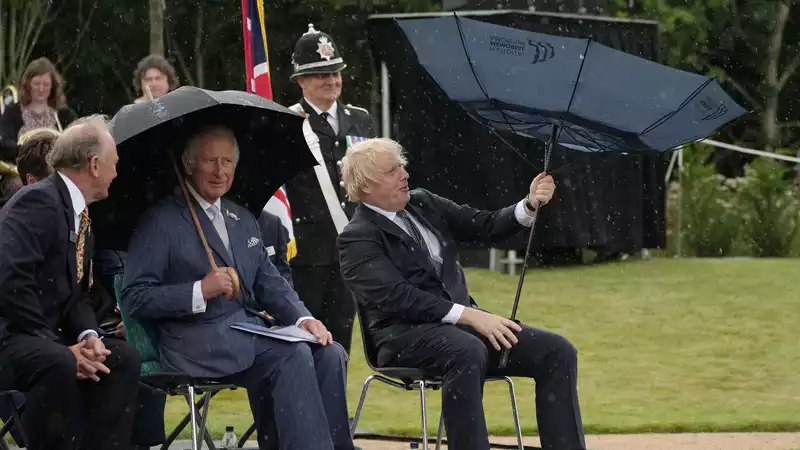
(687, 441)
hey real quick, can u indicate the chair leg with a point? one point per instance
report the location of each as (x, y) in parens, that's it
(203, 420)
(361, 400)
(515, 411)
(246, 435)
(193, 419)
(15, 422)
(439, 433)
(424, 415)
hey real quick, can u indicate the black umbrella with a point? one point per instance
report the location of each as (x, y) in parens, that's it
(568, 92)
(270, 139)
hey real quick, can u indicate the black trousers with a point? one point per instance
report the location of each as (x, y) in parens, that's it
(46, 372)
(464, 359)
(322, 290)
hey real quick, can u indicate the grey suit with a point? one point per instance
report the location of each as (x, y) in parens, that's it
(165, 258)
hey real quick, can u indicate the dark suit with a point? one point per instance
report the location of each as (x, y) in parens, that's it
(43, 309)
(306, 382)
(275, 238)
(404, 302)
(315, 269)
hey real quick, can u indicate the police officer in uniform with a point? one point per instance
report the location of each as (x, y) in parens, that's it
(317, 280)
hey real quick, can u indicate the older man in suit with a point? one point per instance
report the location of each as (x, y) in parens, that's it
(399, 258)
(50, 343)
(168, 281)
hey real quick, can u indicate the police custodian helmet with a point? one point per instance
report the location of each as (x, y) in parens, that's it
(315, 53)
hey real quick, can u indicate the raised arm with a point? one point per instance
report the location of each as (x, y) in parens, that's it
(470, 224)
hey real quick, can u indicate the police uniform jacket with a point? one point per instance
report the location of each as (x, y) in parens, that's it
(313, 226)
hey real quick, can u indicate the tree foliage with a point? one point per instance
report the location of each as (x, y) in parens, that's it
(752, 46)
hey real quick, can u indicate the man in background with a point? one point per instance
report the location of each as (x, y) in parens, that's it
(319, 202)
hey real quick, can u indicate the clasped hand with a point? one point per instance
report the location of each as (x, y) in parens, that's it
(90, 354)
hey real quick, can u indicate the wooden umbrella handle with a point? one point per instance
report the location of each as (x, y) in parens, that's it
(186, 196)
(190, 205)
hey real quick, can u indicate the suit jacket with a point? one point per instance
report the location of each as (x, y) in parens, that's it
(391, 277)
(39, 290)
(275, 238)
(165, 257)
(313, 226)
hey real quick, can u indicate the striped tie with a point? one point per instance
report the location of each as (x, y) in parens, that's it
(417, 236)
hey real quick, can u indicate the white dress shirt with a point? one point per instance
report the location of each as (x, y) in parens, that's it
(333, 114)
(198, 302)
(78, 205)
(434, 246)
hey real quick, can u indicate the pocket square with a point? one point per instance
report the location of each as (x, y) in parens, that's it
(252, 242)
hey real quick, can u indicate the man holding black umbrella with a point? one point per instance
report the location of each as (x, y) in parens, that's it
(399, 257)
(319, 203)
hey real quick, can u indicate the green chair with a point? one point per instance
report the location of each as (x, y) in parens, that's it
(144, 336)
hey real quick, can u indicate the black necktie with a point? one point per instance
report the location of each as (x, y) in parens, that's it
(417, 236)
(325, 115)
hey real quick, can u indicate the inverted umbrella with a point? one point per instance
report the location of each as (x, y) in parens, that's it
(151, 135)
(575, 93)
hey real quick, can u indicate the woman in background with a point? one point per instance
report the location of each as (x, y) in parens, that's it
(42, 104)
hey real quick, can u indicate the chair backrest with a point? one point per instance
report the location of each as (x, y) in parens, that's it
(142, 335)
(370, 350)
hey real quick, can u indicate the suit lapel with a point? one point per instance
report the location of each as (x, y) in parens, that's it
(209, 231)
(236, 237)
(69, 216)
(390, 227)
(418, 213)
(385, 224)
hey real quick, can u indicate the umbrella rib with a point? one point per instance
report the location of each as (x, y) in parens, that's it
(683, 104)
(486, 94)
(493, 131)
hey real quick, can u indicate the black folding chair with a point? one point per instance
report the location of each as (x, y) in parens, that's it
(14, 421)
(410, 379)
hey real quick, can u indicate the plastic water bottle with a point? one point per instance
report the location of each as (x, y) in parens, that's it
(229, 438)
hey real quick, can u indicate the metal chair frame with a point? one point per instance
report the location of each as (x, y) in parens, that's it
(195, 418)
(409, 379)
(422, 386)
(15, 421)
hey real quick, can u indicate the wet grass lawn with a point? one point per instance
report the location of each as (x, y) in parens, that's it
(664, 345)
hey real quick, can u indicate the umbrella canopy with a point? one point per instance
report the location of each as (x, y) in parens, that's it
(601, 99)
(271, 144)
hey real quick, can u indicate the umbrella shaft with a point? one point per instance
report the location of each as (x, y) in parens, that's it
(548, 150)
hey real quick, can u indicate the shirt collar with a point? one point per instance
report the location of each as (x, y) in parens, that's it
(75, 195)
(332, 111)
(203, 202)
(388, 214)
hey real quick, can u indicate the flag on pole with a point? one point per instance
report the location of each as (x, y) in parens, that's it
(256, 57)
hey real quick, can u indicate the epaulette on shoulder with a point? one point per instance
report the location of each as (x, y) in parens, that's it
(357, 108)
(298, 108)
